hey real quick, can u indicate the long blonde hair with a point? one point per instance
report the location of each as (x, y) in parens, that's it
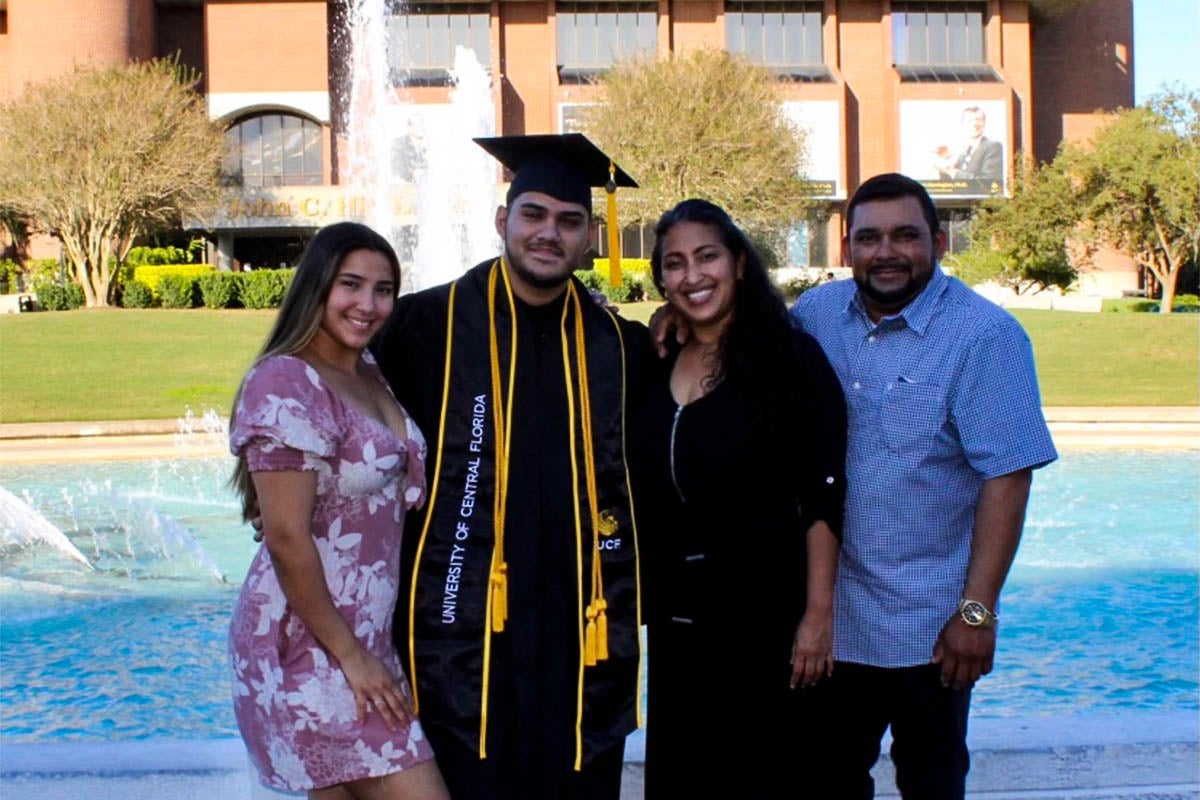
(300, 316)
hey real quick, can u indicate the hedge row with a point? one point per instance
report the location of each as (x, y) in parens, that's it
(211, 288)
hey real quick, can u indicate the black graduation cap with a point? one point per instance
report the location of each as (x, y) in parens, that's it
(565, 166)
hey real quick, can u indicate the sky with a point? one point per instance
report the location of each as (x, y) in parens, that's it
(1166, 45)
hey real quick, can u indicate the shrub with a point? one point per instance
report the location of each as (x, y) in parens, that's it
(636, 283)
(265, 288)
(178, 291)
(1186, 301)
(52, 297)
(151, 275)
(794, 286)
(141, 256)
(630, 290)
(975, 265)
(136, 294)
(12, 277)
(43, 270)
(218, 289)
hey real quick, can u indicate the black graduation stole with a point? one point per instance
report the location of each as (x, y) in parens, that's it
(458, 595)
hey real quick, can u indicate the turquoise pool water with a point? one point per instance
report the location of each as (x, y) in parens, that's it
(1099, 615)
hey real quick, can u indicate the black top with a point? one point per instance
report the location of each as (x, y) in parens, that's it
(735, 486)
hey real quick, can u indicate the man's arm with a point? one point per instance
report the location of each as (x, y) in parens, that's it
(967, 652)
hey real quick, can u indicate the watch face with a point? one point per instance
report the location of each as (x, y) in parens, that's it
(974, 613)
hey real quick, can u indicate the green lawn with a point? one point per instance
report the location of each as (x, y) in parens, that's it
(104, 364)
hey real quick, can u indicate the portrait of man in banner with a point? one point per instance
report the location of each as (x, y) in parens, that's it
(956, 148)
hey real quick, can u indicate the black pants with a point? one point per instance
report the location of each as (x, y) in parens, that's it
(505, 776)
(929, 732)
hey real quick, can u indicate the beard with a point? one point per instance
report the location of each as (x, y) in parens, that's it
(893, 296)
(533, 277)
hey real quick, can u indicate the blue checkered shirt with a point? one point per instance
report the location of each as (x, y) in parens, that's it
(941, 397)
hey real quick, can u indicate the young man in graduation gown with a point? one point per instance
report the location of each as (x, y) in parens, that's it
(521, 629)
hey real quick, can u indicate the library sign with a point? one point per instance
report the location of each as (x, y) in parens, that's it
(299, 207)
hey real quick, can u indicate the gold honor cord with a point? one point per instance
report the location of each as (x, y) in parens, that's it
(632, 520)
(433, 494)
(595, 644)
(497, 601)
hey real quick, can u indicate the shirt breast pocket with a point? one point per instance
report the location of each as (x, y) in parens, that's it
(912, 414)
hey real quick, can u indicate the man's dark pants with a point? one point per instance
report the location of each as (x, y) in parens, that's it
(929, 731)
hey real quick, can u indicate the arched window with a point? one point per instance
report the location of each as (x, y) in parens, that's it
(275, 150)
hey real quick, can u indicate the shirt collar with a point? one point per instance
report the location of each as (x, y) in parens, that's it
(917, 314)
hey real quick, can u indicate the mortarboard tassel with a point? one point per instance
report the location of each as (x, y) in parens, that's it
(614, 230)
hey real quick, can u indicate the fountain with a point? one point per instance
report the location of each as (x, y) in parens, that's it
(430, 190)
(21, 525)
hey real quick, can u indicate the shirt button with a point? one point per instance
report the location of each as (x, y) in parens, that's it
(829, 480)
(871, 338)
(857, 385)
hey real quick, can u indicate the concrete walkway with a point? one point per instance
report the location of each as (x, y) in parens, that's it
(1148, 756)
(1143, 427)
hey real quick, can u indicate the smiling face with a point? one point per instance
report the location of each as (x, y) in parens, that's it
(973, 123)
(359, 302)
(891, 252)
(544, 240)
(700, 275)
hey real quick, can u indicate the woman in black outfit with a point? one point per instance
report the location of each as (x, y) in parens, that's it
(741, 457)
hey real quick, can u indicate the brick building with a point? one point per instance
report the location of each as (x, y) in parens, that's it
(881, 85)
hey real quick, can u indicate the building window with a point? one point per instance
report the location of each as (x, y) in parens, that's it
(275, 150)
(940, 42)
(592, 36)
(423, 39)
(808, 242)
(785, 37)
(572, 117)
(637, 241)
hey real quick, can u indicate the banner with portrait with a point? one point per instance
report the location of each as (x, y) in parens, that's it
(956, 148)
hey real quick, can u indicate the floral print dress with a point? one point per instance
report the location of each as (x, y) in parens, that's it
(294, 708)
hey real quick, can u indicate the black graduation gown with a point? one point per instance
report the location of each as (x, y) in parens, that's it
(531, 711)
(724, 570)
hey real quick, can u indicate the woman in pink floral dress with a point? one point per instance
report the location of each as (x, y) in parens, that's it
(331, 462)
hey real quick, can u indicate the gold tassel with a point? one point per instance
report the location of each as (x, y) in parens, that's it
(614, 230)
(499, 597)
(601, 631)
(589, 638)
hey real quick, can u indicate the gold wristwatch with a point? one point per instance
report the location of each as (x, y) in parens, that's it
(976, 614)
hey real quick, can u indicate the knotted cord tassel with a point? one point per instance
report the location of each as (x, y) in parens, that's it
(499, 597)
(589, 638)
(601, 630)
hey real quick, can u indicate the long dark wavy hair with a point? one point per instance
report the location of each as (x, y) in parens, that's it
(758, 351)
(301, 311)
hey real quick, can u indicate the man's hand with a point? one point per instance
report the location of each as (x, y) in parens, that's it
(601, 299)
(664, 319)
(256, 520)
(965, 652)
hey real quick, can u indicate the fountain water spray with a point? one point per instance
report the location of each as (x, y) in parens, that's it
(22, 525)
(430, 190)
